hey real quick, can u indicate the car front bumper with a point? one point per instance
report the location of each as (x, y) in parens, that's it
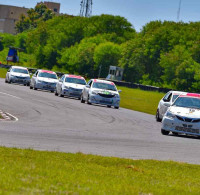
(46, 86)
(97, 99)
(72, 92)
(178, 126)
(20, 80)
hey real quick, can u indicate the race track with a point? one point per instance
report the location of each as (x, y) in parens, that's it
(47, 122)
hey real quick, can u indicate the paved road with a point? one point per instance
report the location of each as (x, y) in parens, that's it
(47, 122)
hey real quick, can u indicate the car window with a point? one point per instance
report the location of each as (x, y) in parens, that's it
(89, 83)
(62, 78)
(174, 97)
(167, 97)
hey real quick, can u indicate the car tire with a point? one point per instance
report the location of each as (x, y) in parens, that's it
(31, 87)
(82, 100)
(60, 94)
(88, 100)
(116, 107)
(164, 132)
(158, 119)
(52, 91)
(56, 93)
(34, 87)
(6, 81)
(108, 106)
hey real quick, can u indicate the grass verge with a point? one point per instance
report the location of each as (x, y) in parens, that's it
(30, 172)
(3, 72)
(139, 100)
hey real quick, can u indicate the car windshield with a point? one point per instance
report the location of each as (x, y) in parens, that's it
(75, 80)
(187, 102)
(47, 75)
(107, 86)
(19, 70)
(174, 97)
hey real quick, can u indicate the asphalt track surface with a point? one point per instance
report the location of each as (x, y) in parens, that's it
(47, 122)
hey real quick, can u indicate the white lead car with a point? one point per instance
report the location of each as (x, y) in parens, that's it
(101, 92)
(183, 117)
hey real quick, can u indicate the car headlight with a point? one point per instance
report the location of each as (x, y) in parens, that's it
(170, 115)
(116, 96)
(39, 81)
(95, 92)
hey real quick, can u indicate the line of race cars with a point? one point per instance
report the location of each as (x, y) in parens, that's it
(96, 91)
(178, 111)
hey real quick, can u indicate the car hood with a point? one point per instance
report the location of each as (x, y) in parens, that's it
(73, 85)
(49, 80)
(185, 112)
(19, 74)
(103, 91)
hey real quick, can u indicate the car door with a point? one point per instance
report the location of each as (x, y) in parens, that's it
(86, 89)
(33, 79)
(166, 103)
(8, 74)
(60, 83)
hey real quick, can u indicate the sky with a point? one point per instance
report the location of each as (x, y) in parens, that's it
(137, 12)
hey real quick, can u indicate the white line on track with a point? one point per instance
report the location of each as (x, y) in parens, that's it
(10, 95)
(16, 119)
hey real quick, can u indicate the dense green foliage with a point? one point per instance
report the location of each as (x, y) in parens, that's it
(34, 17)
(37, 172)
(164, 54)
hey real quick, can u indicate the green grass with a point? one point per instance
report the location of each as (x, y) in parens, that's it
(35, 172)
(139, 100)
(3, 72)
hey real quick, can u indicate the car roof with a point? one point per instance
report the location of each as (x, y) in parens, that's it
(177, 92)
(74, 76)
(196, 95)
(47, 71)
(20, 67)
(103, 81)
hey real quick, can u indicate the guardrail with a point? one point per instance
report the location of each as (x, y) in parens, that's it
(140, 86)
(119, 83)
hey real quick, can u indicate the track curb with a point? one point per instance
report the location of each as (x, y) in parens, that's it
(7, 116)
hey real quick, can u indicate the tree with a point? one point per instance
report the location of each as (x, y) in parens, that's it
(106, 55)
(35, 16)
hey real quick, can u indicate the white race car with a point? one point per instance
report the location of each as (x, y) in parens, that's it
(44, 79)
(101, 92)
(165, 103)
(18, 74)
(70, 85)
(183, 116)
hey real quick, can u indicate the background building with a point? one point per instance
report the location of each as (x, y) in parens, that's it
(9, 15)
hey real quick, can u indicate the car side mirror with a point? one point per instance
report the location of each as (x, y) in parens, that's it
(119, 90)
(88, 86)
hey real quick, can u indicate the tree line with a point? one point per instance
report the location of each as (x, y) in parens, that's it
(164, 54)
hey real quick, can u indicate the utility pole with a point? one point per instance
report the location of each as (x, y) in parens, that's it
(179, 11)
(86, 8)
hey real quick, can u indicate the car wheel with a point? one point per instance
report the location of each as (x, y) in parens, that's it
(88, 100)
(56, 93)
(175, 133)
(31, 87)
(6, 81)
(52, 91)
(164, 132)
(34, 87)
(116, 107)
(82, 100)
(158, 119)
(109, 106)
(60, 94)
(28, 84)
